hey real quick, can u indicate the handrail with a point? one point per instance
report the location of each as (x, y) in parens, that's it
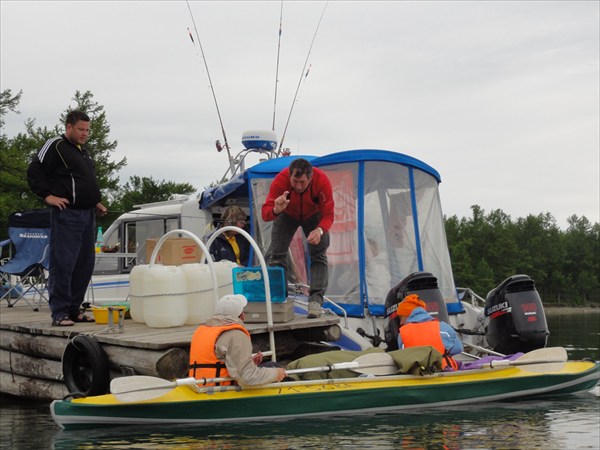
(473, 296)
(200, 244)
(265, 272)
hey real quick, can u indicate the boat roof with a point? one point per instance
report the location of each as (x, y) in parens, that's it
(269, 169)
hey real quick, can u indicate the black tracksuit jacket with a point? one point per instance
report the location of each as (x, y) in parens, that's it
(60, 168)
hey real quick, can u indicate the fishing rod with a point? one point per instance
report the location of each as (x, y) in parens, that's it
(226, 144)
(277, 66)
(302, 76)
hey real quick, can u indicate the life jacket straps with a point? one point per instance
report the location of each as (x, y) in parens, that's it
(217, 366)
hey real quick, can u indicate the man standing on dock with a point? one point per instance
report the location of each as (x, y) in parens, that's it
(63, 174)
(301, 196)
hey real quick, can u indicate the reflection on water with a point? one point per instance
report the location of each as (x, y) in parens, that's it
(569, 422)
(543, 424)
(578, 333)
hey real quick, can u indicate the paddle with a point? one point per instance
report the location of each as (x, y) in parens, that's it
(550, 359)
(138, 388)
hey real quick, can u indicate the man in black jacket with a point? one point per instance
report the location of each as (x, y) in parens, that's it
(63, 174)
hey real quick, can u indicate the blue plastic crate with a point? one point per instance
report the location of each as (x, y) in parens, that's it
(249, 282)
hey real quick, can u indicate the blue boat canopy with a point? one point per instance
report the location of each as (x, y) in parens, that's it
(388, 224)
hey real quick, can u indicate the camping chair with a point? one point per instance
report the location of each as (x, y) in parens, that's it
(23, 275)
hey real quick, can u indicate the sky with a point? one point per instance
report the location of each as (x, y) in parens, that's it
(501, 98)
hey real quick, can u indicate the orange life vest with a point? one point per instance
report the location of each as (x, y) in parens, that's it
(415, 334)
(203, 360)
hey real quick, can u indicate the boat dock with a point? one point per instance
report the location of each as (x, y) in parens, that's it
(42, 362)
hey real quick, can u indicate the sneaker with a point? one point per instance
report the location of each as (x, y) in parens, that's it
(314, 310)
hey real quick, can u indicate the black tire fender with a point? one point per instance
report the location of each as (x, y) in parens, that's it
(85, 366)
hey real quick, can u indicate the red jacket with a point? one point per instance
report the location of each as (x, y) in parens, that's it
(318, 197)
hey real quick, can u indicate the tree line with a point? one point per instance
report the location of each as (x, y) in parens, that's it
(485, 248)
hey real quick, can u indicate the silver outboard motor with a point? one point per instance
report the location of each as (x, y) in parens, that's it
(423, 284)
(516, 319)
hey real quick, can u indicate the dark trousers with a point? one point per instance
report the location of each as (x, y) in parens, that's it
(72, 259)
(283, 231)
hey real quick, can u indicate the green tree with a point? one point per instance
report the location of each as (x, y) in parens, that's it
(140, 190)
(14, 154)
(487, 248)
(8, 102)
(582, 261)
(540, 253)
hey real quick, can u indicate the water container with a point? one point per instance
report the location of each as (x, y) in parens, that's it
(224, 276)
(165, 302)
(200, 294)
(136, 293)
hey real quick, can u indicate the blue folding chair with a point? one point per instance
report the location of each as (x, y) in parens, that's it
(23, 275)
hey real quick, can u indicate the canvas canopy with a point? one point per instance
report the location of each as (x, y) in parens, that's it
(388, 224)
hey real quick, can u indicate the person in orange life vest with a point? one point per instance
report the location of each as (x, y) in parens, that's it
(301, 196)
(418, 328)
(222, 348)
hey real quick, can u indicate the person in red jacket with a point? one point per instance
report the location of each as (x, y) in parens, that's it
(301, 196)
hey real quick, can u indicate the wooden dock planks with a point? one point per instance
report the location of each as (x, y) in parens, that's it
(31, 349)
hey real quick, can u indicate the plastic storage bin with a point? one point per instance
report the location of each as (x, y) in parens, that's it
(249, 282)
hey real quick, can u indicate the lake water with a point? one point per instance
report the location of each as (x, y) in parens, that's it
(568, 422)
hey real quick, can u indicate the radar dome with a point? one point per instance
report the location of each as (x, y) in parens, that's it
(259, 139)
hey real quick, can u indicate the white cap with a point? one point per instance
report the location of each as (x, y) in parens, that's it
(231, 305)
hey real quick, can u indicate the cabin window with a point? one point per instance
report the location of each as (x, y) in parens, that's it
(435, 254)
(343, 251)
(150, 229)
(389, 238)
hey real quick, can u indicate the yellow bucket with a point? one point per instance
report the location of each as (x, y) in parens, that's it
(101, 313)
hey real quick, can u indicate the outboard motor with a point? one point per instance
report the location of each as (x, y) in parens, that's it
(423, 284)
(517, 322)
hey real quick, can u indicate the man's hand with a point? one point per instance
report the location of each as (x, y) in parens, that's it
(281, 374)
(59, 202)
(257, 358)
(101, 210)
(281, 203)
(315, 236)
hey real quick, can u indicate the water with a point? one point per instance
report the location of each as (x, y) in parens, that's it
(569, 422)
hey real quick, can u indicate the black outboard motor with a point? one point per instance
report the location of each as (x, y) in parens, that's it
(423, 284)
(517, 322)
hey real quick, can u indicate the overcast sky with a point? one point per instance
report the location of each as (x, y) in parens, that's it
(502, 98)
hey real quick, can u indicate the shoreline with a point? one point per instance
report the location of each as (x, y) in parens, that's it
(557, 310)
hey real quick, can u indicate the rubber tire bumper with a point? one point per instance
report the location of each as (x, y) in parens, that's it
(85, 366)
